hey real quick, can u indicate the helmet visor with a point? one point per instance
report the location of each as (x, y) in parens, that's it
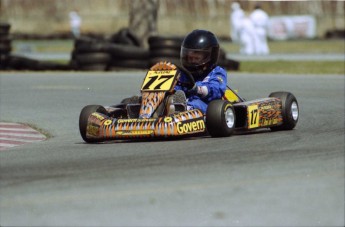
(194, 57)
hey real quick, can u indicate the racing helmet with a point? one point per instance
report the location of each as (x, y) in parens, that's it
(199, 52)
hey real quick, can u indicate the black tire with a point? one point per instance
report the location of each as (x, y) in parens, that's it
(22, 63)
(160, 42)
(4, 59)
(5, 48)
(166, 52)
(290, 110)
(125, 36)
(222, 54)
(220, 118)
(83, 120)
(136, 64)
(128, 52)
(154, 60)
(91, 47)
(116, 50)
(5, 28)
(92, 58)
(93, 67)
(85, 40)
(5, 40)
(229, 64)
(47, 65)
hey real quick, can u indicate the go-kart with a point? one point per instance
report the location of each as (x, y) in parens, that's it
(160, 113)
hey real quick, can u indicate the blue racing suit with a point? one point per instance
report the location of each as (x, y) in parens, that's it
(211, 87)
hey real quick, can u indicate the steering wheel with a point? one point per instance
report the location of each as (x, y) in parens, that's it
(189, 77)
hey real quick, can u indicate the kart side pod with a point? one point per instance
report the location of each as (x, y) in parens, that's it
(96, 126)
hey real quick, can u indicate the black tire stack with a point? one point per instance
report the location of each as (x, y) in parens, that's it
(228, 64)
(335, 34)
(165, 49)
(127, 52)
(90, 54)
(5, 45)
(125, 36)
(168, 49)
(13, 62)
(120, 51)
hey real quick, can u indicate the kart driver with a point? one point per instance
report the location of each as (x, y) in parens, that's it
(199, 55)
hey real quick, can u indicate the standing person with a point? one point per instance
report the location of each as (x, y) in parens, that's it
(75, 22)
(242, 30)
(236, 18)
(199, 55)
(260, 21)
(248, 37)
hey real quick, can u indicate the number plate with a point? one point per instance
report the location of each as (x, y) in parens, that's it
(253, 116)
(162, 80)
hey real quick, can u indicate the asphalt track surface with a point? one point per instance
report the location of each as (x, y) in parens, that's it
(287, 178)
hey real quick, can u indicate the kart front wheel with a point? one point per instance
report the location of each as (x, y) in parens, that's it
(220, 118)
(290, 110)
(83, 120)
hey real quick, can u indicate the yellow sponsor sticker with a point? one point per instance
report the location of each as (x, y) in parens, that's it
(135, 120)
(134, 132)
(98, 116)
(190, 127)
(167, 119)
(107, 122)
(253, 116)
(159, 80)
(92, 130)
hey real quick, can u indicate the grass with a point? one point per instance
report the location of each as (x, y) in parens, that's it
(297, 46)
(294, 67)
(42, 131)
(43, 46)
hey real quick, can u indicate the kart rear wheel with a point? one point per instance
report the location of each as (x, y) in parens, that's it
(83, 120)
(290, 110)
(220, 118)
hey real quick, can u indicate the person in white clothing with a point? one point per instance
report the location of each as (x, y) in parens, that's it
(248, 37)
(260, 21)
(75, 22)
(242, 30)
(236, 17)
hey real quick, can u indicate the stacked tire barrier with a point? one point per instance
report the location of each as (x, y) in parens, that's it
(229, 64)
(168, 48)
(24, 63)
(127, 53)
(5, 44)
(335, 34)
(120, 51)
(164, 49)
(90, 54)
(13, 62)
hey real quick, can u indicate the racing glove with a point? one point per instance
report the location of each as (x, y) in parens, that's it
(201, 91)
(193, 90)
